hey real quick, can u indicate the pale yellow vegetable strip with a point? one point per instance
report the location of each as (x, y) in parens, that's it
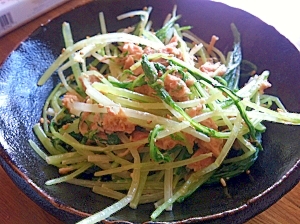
(195, 49)
(117, 159)
(174, 112)
(147, 198)
(136, 176)
(133, 13)
(151, 185)
(238, 158)
(43, 138)
(282, 117)
(99, 158)
(105, 213)
(117, 186)
(63, 79)
(84, 167)
(143, 178)
(85, 183)
(37, 149)
(168, 188)
(55, 159)
(135, 104)
(229, 142)
(108, 192)
(171, 130)
(74, 160)
(182, 191)
(123, 92)
(99, 97)
(104, 30)
(152, 166)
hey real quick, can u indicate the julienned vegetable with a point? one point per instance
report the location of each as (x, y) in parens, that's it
(149, 117)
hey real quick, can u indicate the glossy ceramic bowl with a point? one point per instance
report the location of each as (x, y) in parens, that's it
(275, 172)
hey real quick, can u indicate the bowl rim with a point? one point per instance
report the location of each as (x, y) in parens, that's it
(275, 191)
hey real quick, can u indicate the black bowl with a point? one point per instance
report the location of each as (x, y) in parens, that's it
(275, 172)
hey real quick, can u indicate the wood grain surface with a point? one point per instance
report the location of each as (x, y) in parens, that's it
(17, 208)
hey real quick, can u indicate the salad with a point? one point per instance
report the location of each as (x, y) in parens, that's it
(149, 116)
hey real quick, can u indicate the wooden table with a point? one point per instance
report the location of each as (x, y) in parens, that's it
(16, 207)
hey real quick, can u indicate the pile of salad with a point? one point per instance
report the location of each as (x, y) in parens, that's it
(148, 116)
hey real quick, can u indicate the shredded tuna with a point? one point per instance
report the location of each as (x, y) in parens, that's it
(93, 78)
(68, 99)
(113, 122)
(133, 53)
(177, 88)
(95, 126)
(167, 143)
(209, 123)
(148, 50)
(174, 41)
(138, 71)
(189, 138)
(213, 69)
(133, 50)
(129, 61)
(215, 145)
(171, 48)
(102, 135)
(139, 135)
(145, 89)
(108, 123)
(189, 82)
(202, 163)
(83, 127)
(194, 111)
(212, 43)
